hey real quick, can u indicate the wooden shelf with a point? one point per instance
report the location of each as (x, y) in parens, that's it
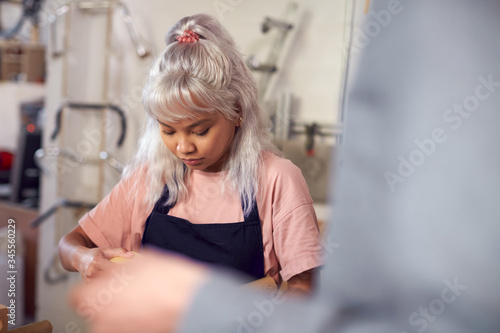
(21, 58)
(23, 217)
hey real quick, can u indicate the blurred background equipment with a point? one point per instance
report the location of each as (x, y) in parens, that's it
(25, 177)
(28, 11)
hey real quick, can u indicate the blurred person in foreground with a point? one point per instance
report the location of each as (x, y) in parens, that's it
(416, 201)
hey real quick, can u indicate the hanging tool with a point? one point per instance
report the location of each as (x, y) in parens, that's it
(286, 29)
(315, 129)
(255, 64)
(142, 47)
(62, 203)
(98, 107)
(270, 23)
(311, 131)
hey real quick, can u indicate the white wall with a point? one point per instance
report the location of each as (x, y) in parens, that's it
(313, 64)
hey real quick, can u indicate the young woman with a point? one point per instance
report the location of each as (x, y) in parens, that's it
(206, 181)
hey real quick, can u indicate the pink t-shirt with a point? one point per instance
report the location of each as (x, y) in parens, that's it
(290, 231)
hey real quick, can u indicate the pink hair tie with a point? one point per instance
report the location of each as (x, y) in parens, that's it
(189, 36)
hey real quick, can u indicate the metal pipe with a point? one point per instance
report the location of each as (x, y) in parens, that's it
(75, 158)
(52, 27)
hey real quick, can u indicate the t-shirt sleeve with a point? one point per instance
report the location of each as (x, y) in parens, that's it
(109, 223)
(297, 242)
(295, 226)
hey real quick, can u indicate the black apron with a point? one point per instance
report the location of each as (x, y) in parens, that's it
(237, 245)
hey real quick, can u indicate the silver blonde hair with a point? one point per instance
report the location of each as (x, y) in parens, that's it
(192, 79)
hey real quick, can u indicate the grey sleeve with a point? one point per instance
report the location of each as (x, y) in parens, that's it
(223, 306)
(417, 197)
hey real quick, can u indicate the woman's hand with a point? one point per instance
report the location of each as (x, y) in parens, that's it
(91, 261)
(78, 253)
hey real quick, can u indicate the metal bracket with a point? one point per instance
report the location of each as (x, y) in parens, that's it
(73, 105)
(79, 159)
(139, 43)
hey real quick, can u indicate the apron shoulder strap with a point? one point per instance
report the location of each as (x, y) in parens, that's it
(160, 205)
